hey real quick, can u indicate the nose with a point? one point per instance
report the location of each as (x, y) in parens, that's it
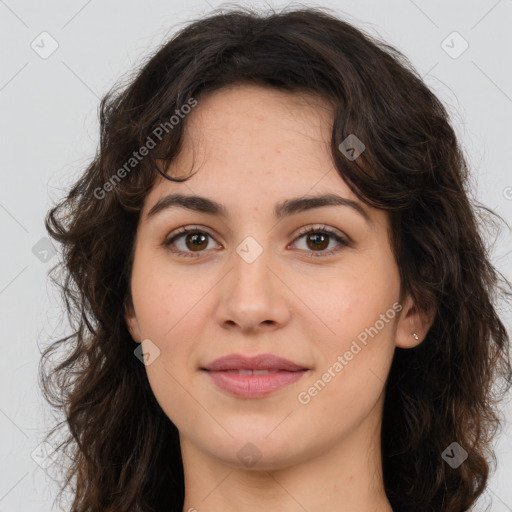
(253, 296)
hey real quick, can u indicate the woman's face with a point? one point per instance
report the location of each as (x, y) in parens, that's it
(252, 282)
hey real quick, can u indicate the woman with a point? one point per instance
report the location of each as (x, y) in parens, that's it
(278, 218)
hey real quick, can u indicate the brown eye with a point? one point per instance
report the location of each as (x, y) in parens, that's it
(191, 241)
(318, 239)
(187, 241)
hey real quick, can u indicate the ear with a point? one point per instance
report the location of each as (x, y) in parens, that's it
(412, 321)
(132, 323)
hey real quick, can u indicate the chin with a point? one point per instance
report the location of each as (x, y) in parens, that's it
(259, 450)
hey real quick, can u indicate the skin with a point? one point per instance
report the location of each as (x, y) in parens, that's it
(253, 147)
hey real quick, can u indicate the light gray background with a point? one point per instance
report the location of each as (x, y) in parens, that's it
(49, 131)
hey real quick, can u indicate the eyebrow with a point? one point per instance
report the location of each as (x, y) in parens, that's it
(281, 210)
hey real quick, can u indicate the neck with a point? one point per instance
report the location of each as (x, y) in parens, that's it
(340, 478)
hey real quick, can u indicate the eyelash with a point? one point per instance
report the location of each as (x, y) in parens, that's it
(305, 231)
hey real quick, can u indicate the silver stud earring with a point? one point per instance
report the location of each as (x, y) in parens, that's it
(416, 336)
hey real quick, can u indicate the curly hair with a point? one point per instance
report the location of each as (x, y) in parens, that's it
(124, 452)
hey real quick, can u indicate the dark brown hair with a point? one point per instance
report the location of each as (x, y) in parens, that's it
(124, 452)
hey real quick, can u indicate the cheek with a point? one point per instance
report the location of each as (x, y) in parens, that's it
(349, 383)
(169, 313)
(358, 312)
(163, 298)
(170, 374)
(366, 337)
(344, 305)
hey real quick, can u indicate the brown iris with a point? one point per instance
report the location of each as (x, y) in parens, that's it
(316, 237)
(199, 241)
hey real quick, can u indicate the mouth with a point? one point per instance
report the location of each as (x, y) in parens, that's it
(255, 376)
(252, 371)
(247, 383)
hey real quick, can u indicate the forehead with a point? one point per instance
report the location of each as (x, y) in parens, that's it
(237, 102)
(253, 147)
(242, 130)
(260, 121)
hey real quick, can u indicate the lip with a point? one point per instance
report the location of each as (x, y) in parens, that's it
(253, 386)
(258, 362)
(224, 373)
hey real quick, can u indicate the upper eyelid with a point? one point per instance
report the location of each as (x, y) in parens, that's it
(320, 227)
(296, 232)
